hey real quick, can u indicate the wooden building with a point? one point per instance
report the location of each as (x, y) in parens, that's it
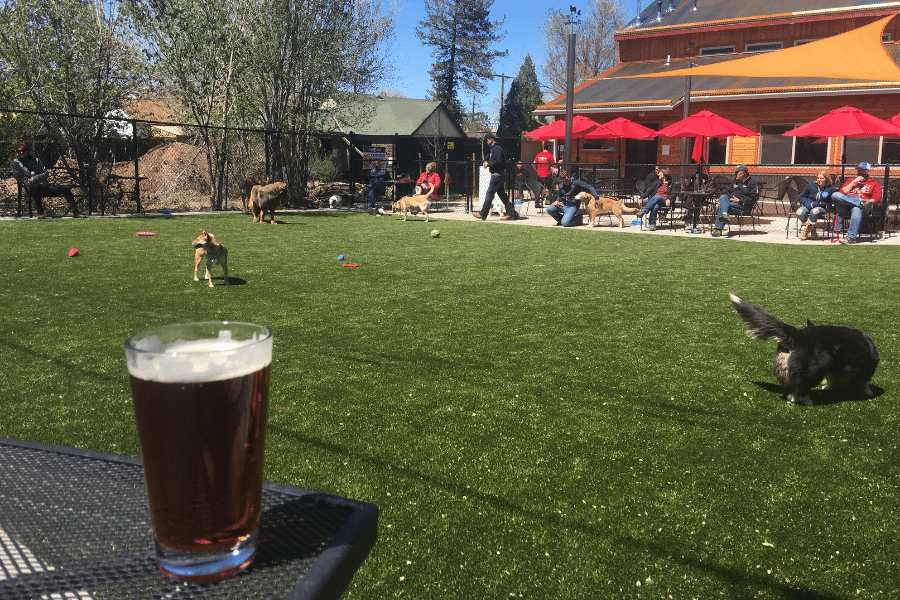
(670, 36)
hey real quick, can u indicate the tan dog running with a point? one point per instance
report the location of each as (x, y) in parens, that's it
(216, 254)
(605, 205)
(265, 199)
(408, 203)
(247, 187)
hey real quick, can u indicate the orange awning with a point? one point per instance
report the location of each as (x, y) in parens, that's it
(854, 55)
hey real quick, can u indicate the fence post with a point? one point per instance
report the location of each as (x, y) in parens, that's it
(137, 173)
(885, 199)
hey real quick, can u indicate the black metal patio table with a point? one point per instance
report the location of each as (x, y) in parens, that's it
(695, 202)
(74, 524)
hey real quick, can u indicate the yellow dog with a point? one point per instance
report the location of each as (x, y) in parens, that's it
(412, 203)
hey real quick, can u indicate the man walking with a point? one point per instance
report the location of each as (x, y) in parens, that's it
(496, 164)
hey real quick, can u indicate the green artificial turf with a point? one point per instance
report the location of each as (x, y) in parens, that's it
(538, 413)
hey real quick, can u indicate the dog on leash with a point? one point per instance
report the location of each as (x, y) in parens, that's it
(265, 199)
(846, 358)
(412, 204)
(247, 186)
(604, 205)
(215, 252)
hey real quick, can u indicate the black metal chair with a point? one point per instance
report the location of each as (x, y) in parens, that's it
(753, 212)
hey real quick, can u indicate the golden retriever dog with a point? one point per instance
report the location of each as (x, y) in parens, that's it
(265, 199)
(605, 205)
(412, 204)
(216, 254)
(247, 187)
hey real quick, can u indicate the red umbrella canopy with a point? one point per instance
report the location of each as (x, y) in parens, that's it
(705, 123)
(845, 122)
(557, 129)
(621, 128)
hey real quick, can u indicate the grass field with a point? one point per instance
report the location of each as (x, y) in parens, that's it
(539, 413)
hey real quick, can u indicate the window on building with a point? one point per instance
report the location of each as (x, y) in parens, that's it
(885, 37)
(719, 50)
(801, 42)
(778, 149)
(857, 150)
(716, 149)
(890, 152)
(768, 47)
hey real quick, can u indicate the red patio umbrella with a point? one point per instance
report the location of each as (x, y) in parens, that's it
(705, 123)
(557, 129)
(618, 129)
(845, 122)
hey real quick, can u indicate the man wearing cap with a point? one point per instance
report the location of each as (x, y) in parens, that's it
(496, 164)
(857, 197)
(739, 200)
(32, 173)
(376, 186)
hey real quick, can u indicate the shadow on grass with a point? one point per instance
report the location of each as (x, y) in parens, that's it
(740, 581)
(822, 397)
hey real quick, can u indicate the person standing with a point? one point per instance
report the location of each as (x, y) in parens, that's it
(32, 173)
(565, 209)
(739, 200)
(542, 166)
(496, 165)
(856, 196)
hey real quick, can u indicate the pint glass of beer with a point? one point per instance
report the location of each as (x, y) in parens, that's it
(201, 393)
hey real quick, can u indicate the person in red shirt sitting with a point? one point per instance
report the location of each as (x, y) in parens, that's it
(856, 196)
(429, 181)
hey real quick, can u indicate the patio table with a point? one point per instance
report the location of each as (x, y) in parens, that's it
(74, 524)
(695, 201)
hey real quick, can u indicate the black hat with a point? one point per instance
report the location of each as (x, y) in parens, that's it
(489, 136)
(741, 168)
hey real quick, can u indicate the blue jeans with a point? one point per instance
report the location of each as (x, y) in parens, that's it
(728, 207)
(567, 216)
(375, 190)
(653, 205)
(495, 187)
(842, 204)
(811, 211)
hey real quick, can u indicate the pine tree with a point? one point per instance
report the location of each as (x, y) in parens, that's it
(523, 97)
(461, 34)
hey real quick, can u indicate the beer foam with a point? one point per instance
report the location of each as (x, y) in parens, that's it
(194, 361)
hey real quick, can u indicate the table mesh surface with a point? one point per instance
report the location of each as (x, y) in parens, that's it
(77, 527)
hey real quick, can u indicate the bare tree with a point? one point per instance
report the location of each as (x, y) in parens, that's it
(595, 48)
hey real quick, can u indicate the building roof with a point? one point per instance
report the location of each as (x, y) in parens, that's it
(632, 86)
(691, 14)
(383, 117)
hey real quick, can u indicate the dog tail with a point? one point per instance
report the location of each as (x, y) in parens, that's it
(630, 210)
(760, 324)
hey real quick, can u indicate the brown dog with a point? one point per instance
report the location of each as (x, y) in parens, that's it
(419, 203)
(215, 251)
(605, 205)
(247, 187)
(265, 199)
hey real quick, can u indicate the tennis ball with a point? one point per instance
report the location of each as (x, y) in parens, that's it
(435, 233)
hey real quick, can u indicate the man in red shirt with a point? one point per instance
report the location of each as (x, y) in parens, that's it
(542, 164)
(429, 181)
(857, 196)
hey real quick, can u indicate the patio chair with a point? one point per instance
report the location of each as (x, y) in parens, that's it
(871, 224)
(777, 193)
(754, 213)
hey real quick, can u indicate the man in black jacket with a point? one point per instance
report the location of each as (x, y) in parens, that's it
(33, 174)
(496, 164)
(739, 200)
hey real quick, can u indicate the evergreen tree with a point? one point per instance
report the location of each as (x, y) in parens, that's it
(461, 34)
(523, 97)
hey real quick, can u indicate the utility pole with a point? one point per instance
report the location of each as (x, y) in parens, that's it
(503, 79)
(574, 22)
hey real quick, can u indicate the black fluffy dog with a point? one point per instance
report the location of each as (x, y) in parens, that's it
(846, 357)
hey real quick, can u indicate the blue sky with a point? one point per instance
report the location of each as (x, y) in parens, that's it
(412, 60)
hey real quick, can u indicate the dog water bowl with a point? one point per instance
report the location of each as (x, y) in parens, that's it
(167, 212)
(636, 222)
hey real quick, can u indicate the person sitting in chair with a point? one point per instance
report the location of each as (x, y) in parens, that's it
(856, 197)
(739, 200)
(659, 200)
(814, 201)
(429, 181)
(31, 172)
(376, 186)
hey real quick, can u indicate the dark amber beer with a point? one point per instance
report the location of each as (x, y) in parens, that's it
(200, 399)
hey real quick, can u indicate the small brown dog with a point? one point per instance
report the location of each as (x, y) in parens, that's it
(412, 203)
(216, 254)
(247, 187)
(265, 199)
(605, 205)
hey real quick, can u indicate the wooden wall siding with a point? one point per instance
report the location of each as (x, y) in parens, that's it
(688, 44)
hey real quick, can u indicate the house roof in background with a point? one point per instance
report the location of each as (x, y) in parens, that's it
(689, 14)
(404, 116)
